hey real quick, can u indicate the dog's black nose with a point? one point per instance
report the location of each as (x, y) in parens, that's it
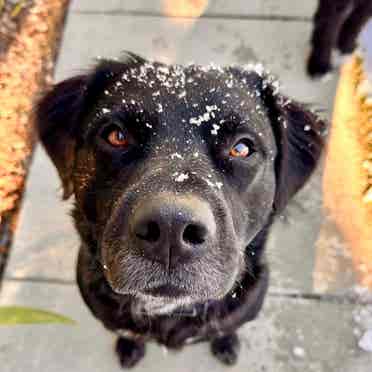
(173, 230)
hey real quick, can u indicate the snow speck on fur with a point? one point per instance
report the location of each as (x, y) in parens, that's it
(176, 155)
(215, 129)
(182, 177)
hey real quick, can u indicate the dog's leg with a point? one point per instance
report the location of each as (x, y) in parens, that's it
(328, 20)
(226, 348)
(129, 351)
(347, 40)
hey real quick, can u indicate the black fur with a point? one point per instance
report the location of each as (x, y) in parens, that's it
(129, 351)
(158, 106)
(337, 24)
(226, 348)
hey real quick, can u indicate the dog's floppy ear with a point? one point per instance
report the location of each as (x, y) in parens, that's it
(299, 133)
(60, 112)
(56, 116)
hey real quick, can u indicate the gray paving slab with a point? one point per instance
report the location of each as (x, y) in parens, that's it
(323, 331)
(45, 244)
(221, 7)
(291, 248)
(366, 45)
(202, 41)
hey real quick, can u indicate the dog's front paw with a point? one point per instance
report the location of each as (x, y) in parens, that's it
(226, 349)
(347, 45)
(317, 68)
(130, 352)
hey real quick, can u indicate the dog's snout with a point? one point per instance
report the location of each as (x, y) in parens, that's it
(173, 230)
(148, 231)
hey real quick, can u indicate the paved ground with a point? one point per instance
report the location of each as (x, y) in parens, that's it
(314, 332)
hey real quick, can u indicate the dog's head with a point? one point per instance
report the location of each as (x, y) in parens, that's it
(175, 170)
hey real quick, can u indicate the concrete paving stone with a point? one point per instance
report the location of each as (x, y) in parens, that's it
(291, 249)
(202, 41)
(290, 335)
(366, 44)
(46, 245)
(220, 7)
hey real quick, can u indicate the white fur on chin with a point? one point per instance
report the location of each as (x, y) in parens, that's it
(159, 305)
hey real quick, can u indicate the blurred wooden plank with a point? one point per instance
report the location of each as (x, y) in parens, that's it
(345, 178)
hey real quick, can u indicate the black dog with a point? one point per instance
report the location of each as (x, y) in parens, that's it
(177, 173)
(337, 24)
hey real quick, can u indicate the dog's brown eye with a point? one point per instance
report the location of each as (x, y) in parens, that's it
(241, 149)
(117, 138)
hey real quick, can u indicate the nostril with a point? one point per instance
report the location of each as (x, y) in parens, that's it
(148, 231)
(194, 234)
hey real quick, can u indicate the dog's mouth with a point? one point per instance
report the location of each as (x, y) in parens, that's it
(166, 290)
